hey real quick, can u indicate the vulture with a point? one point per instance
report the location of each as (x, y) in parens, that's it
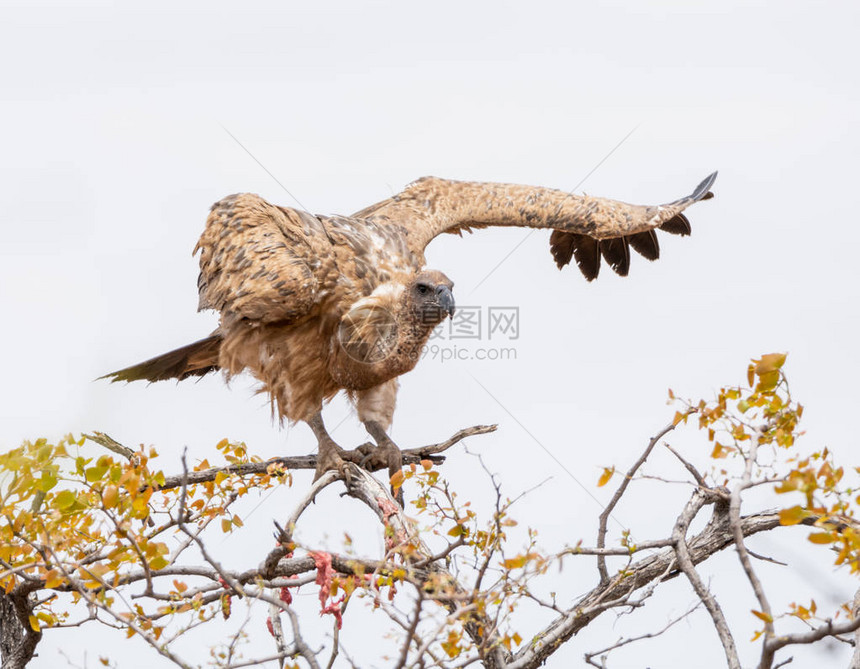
(312, 305)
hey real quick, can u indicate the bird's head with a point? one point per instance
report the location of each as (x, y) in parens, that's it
(430, 298)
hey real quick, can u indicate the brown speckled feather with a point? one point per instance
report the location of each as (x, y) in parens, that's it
(432, 206)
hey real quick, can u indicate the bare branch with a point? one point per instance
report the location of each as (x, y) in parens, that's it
(607, 511)
(829, 628)
(679, 534)
(589, 657)
(750, 461)
(410, 633)
(689, 467)
(111, 444)
(716, 536)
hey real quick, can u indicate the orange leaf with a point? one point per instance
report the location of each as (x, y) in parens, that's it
(605, 476)
(762, 616)
(397, 479)
(770, 362)
(109, 496)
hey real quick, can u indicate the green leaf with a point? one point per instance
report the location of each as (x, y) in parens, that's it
(159, 562)
(48, 481)
(64, 500)
(95, 473)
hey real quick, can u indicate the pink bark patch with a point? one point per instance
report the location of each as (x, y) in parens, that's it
(325, 577)
(286, 596)
(270, 627)
(387, 507)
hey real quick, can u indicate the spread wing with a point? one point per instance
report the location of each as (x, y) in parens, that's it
(584, 228)
(258, 261)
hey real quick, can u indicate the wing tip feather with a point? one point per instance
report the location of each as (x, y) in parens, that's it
(703, 190)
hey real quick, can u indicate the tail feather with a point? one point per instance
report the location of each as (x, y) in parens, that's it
(196, 359)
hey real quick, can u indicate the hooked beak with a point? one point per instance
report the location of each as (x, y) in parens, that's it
(445, 298)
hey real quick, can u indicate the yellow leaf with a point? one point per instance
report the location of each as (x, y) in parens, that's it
(791, 516)
(767, 381)
(821, 538)
(237, 521)
(770, 362)
(515, 563)
(34, 623)
(605, 476)
(226, 525)
(762, 616)
(53, 578)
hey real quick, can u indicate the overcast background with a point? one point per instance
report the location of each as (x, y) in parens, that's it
(116, 137)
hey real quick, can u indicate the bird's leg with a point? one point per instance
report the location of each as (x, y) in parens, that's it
(330, 455)
(385, 453)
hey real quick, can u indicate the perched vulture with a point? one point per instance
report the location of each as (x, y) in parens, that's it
(312, 305)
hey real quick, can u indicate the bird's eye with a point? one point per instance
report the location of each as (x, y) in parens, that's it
(422, 288)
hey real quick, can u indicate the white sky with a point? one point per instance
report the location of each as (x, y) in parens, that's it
(113, 146)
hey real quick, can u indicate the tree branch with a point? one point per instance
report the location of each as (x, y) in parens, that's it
(679, 534)
(410, 456)
(607, 511)
(716, 536)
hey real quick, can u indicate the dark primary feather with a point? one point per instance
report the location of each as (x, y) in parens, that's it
(617, 253)
(566, 246)
(587, 251)
(680, 225)
(196, 359)
(645, 244)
